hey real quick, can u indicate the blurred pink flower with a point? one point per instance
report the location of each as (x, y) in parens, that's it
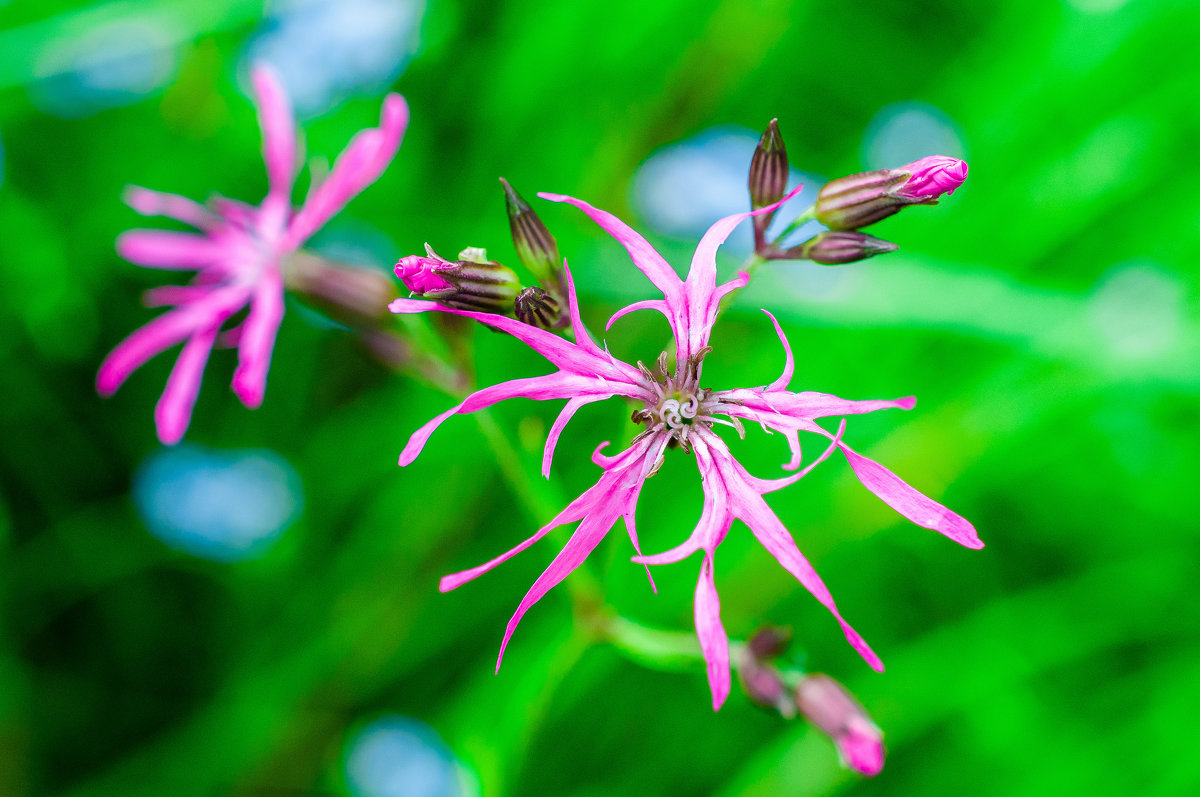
(676, 409)
(932, 176)
(237, 258)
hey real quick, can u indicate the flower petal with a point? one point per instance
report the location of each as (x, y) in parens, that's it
(173, 206)
(906, 500)
(162, 333)
(561, 353)
(702, 299)
(789, 363)
(558, 385)
(575, 510)
(173, 413)
(644, 256)
(748, 505)
(279, 138)
(359, 165)
(587, 536)
(257, 340)
(714, 643)
(560, 423)
(168, 250)
(648, 304)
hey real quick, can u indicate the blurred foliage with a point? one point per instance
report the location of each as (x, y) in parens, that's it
(1046, 316)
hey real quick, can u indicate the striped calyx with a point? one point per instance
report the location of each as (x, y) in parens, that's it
(470, 283)
(535, 246)
(768, 178)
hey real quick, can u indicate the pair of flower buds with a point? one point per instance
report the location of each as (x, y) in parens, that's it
(818, 698)
(844, 206)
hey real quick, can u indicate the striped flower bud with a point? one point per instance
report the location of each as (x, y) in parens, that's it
(826, 703)
(470, 283)
(834, 247)
(535, 245)
(858, 200)
(768, 178)
(538, 308)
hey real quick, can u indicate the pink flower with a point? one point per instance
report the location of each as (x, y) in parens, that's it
(932, 176)
(237, 258)
(675, 408)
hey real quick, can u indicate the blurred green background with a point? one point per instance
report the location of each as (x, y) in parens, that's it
(1045, 315)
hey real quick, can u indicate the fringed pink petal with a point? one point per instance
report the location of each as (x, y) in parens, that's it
(625, 378)
(558, 385)
(168, 250)
(644, 256)
(582, 338)
(279, 148)
(782, 408)
(574, 511)
(587, 536)
(774, 537)
(714, 643)
(173, 413)
(762, 486)
(257, 340)
(701, 286)
(560, 423)
(789, 363)
(417, 441)
(359, 165)
(911, 503)
(649, 304)
(631, 527)
(173, 206)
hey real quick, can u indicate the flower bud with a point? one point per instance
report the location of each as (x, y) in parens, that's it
(769, 642)
(538, 308)
(535, 245)
(471, 283)
(834, 247)
(768, 178)
(933, 176)
(763, 684)
(858, 200)
(354, 295)
(827, 704)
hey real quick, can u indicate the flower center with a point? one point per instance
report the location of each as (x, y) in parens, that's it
(678, 410)
(675, 404)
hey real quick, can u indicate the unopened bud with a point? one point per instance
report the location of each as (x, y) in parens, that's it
(538, 308)
(535, 245)
(933, 176)
(827, 704)
(770, 642)
(468, 283)
(834, 247)
(858, 200)
(768, 178)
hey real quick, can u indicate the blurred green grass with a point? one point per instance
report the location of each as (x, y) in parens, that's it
(1061, 658)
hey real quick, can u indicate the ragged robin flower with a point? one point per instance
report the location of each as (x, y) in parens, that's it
(676, 408)
(238, 258)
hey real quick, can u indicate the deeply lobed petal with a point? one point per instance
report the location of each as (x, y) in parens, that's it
(714, 643)
(257, 340)
(359, 165)
(279, 148)
(561, 353)
(166, 249)
(173, 413)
